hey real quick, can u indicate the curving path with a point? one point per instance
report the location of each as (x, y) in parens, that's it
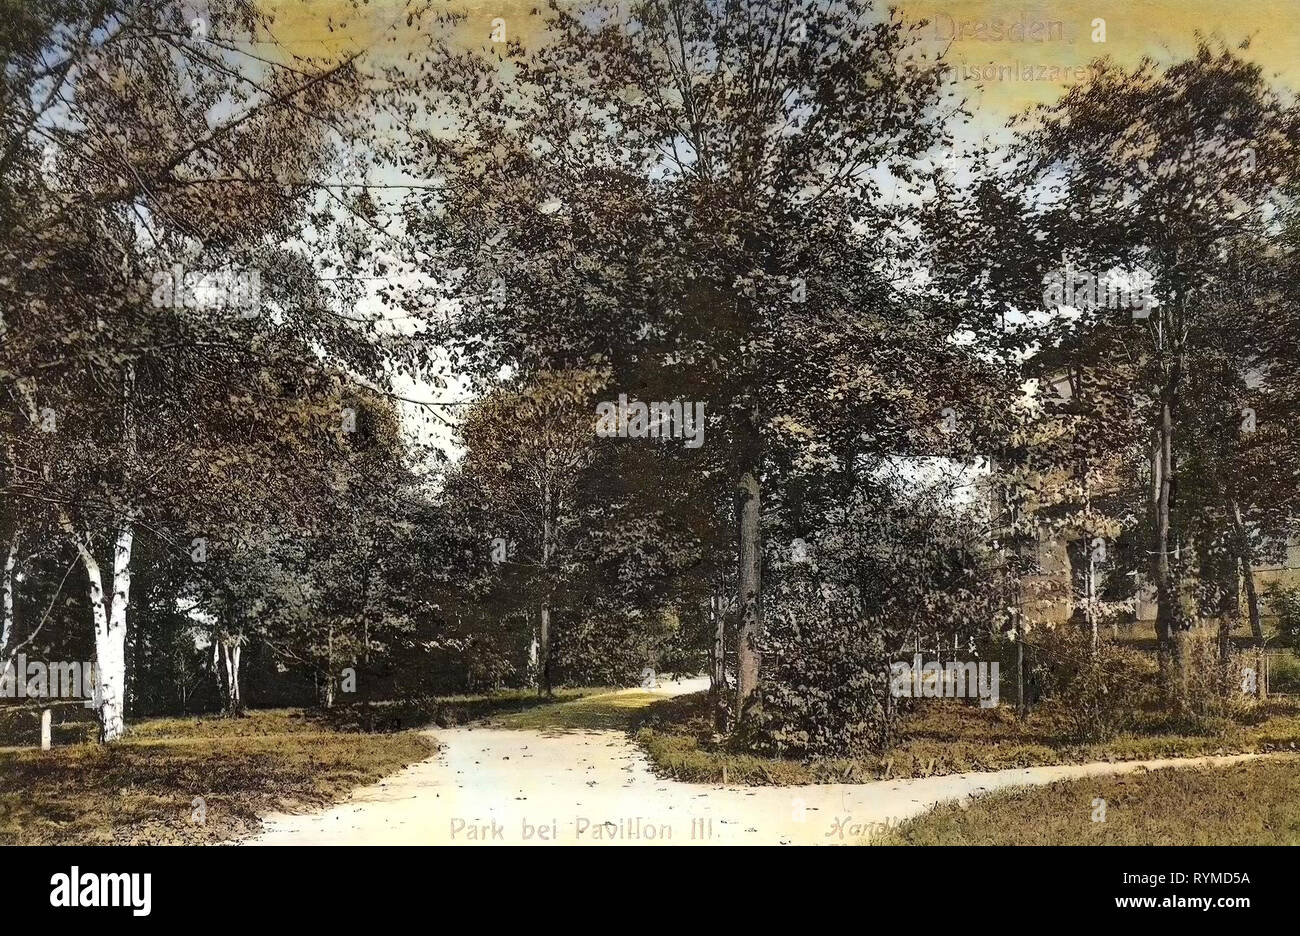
(497, 785)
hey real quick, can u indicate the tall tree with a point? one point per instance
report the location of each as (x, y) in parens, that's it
(697, 191)
(1151, 172)
(528, 446)
(155, 178)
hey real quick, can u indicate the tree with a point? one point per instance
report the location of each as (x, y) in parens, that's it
(693, 196)
(1151, 172)
(527, 448)
(152, 172)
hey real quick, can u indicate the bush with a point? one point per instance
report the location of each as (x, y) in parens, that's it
(892, 564)
(1097, 690)
(1284, 674)
(1285, 603)
(1215, 688)
(826, 692)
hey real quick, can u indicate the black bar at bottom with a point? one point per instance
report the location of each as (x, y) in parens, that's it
(335, 885)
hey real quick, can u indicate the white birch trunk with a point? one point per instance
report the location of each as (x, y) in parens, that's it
(109, 617)
(234, 679)
(111, 649)
(7, 626)
(230, 650)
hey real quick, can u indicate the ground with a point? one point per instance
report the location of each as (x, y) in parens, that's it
(207, 779)
(1255, 803)
(571, 774)
(505, 768)
(189, 781)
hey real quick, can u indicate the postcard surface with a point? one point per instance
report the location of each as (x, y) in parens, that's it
(649, 423)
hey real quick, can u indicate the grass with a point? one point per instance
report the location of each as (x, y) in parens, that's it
(142, 789)
(72, 724)
(75, 724)
(946, 736)
(602, 710)
(1254, 803)
(446, 711)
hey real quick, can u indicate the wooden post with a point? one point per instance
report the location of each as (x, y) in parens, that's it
(45, 729)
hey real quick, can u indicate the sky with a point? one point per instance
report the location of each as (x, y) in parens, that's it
(976, 34)
(1164, 30)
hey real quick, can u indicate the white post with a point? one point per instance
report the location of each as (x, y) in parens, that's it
(45, 729)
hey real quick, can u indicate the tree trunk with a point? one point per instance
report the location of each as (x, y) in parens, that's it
(7, 625)
(1022, 673)
(1091, 596)
(330, 676)
(1169, 631)
(1252, 598)
(748, 658)
(234, 679)
(1022, 698)
(544, 650)
(718, 659)
(532, 656)
(112, 659)
(109, 616)
(1246, 557)
(544, 613)
(230, 652)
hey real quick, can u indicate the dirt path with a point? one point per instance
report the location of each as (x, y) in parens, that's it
(593, 786)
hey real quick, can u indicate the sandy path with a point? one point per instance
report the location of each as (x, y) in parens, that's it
(501, 786)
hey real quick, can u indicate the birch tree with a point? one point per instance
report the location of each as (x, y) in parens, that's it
(156, 176)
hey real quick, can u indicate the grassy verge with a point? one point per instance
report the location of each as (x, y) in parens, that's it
(1254, 803)
(142, 790)
(944, 737)
(75, 724)
(599, 710)
(446, 711)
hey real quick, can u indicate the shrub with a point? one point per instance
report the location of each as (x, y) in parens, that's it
(894, 563)
(826, 692)
(1215, 686)
(1284, 674)
(1285, 603)
(1097, 690)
